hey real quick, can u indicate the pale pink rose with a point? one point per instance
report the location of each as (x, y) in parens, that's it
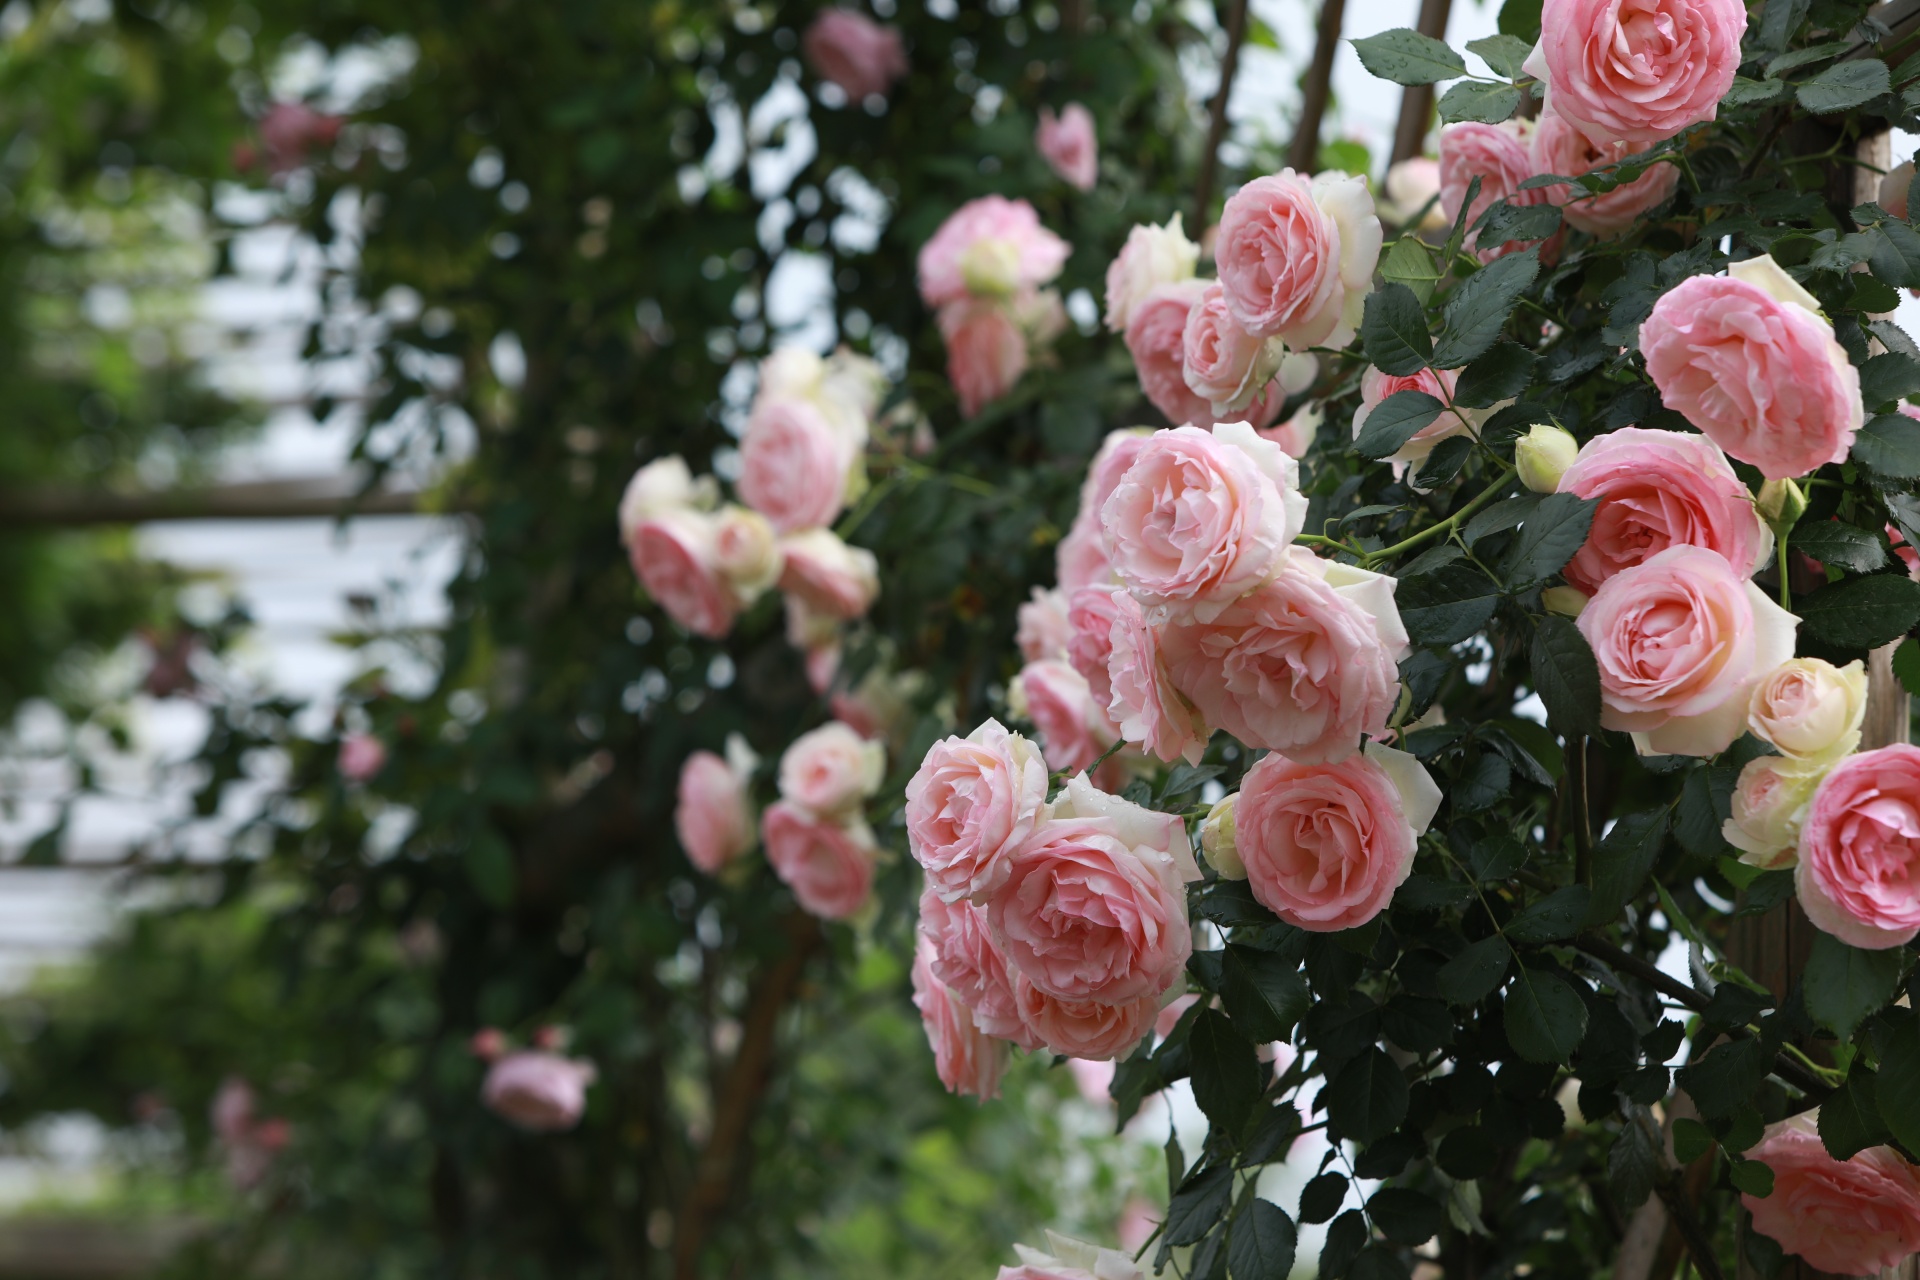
(972, 801)
(1326, 845)
(828, 771)
(487, 1044)
(1094, 1080)
(1169, 1016)
(822, 664)
(1068, 145)
(1081, 560)
(1083, 1028)
(1637, 70)
(986, 351)
(1306, 665)
(1894, 186)
(1851, 1217)
(1295, 435)
(1376, 386)
(1296, 256)
(1559, 147)
(1411, 185)
(676, 557)
(1074, 729)
(1809, 708)
(1143, 698)
(290, 133)
(746, 552)
(1034, 254)
(1660, 489)
(1140, 1220)
(968, 1061)
(830, 577)
(828, 865)
(1763, 378)
(1156, 339)
(1043, 630)
(853, 51)
(1201, 518)
(1093, 908)
(1769, 805)
(970, 962)
(794, 465)
(1681, 639)
(1497, 155)
(1091, 612)
(711, 815)
(536, 1091)
(1859, 872)
(1069, 1259)
(361, 756)
(665, 484)
(1151, 257)
(1221, 362)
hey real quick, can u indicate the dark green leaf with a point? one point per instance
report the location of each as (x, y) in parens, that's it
(1444, 463)
(1862, 613)
(1506, 514)
(1322, 1197)
(1850, 1118)
(1496, 857)
(489, 866)
(1521, 18)
(1900, 1062)
(1226, 1073)
(1404, 56)
(1415, 1024)
(1844, 86)
(1747, 93)
(1264, 993)
(1198, 1204)
(1260, 1242)
(1622, 861)
(1726, 1077)
(1888, 443)
(1545, 1017)
(1449, 605)
(1844, 985)
(1394, 331)
(1377, 1262)
(1888, 377)
(1751, 1176)
(1896, 254)
(1566, 676)
(1184, 778)
(1405, 1216)
(1848, 546)
(1556, 529)
(1480, 101)
(1490, 778)
(1632, 1164)
(1409, 262)
(1906, 664)
(1394, 421)
(1473, 974)
(1501, 374)
(1505, 222)
(1479, 307)
(1532, 748)
(1807, 57)
(1345, 1239)
(1556, 916)
(1368, 1098)
(1503, 53)
(1467, 1152)
(1231, 902)
(1691, 1140)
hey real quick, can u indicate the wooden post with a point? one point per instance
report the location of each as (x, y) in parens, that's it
(1316, 87)
(1416, 104)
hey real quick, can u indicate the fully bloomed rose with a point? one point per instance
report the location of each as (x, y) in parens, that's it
(1222, 363)
(1637, 70)
(1296, 256)
(1660, 489)
(970, 805)
(1810, 708)
(1560, 147)
(1034, 254)
(828, 865)
(1156, 339)
(1748, 360)
(677, 558)
(1306, 664)
(1201, 518)
(1083, 1028)
(711, 815)
(1850, 1217)
(1151, 257)
(1069, 146)
(1094, 908)
(1069, 1259)
(1295, 435)
(986, 351)
(968, 1061)
(829, 577)
(1497, 155)
(828, 771)
(665, 484)
(970, 962)
(536, 1091)
(794, 465)
(853, 51)
(1082, 559)
(1074, 729)
(1859, 872)
(1681, 639)
(1769, 804)
(1091, 612)
(1325, 845)
(1413, 187)
(1142, 698)
(1376, 387)
(1043, 630)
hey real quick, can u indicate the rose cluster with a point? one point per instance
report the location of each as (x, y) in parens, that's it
(983, 275)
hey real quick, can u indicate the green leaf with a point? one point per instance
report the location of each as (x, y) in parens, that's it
(1632, 1165)
(1622, 861)
(1367, 1100)
(1490, 778)
(1806, 57)
(1850, 1118)
(1754, 1177)
(1226, 1072)
(1264, 993)
(1496, 857)
(1862, 613)
(1548, 539)
(1450, 604)
(1556, 916)
(1531, 747)
(1888, 443)
(1467, 1152)
(1479, 307)
(1501, 374)
(1198, 1204)
(1506, 514)
(1394, 421)
(1377, 1262)
(1410, 263)
(1849, 546)
(1505, 222)
(1900, 1062)
(1406, 1216)
(1345, 1239)
(1521, 18)
(1845, 985)
(1503, 53)
(1545, 1017)
(1747, 93)
(1845, 85)
(1895, 258)
(489, 865)
(1565, 676)
(1906, 664)
(1691, 1140)
(1394, 331)
(1888, 377)
(1260, 1242)
(1404, 56)
(1479, 101)
(1726, 1077)
(1416, 1024)
(1473, 974)
(1322, 1197)
(1444, 462)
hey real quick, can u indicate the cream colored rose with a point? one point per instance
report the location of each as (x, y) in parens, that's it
(1810, 708)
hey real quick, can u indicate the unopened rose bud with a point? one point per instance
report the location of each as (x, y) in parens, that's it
(1565, 601)
(991, 267)
(1543, 456)
(1781, 504)
(487, 1044)
(1216, 840)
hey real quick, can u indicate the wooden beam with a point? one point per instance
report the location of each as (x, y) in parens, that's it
(1316, 88)
(304, 498)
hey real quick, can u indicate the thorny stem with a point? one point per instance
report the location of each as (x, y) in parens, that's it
(1786, 592)
(1453, 521)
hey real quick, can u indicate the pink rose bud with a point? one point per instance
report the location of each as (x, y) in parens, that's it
(361, 757)
(971, 964)
(1681, 640)
(1559, 147)
(487, 1044)
(1660, 489)
(1038, 253)
(831, 578)
(1658, 75)
(970, 805)
(1497, 155)
(1325, 846)
(827, 865)
(795, 464)
(1769, 805)
(711, 814)
(1043, 630)
(1151, 257)
(1851, 1217)
(968, 1061)
(1755, 368)
(1067, 143)
(538, 1091)
(1859, 872)
(986, 351)
(1296, 256)
(854, 52)
(827, 772)
(1810, 708)
(1376, 387)
(1543, 455)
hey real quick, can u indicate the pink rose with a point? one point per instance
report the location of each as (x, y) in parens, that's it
(1761, 376)
(829, 866)
(361, 756)
(1074, 730)
(538, 1092)
(1083, 1028)
(1067, 143)
(1637, 70)
(968, 1061)
(830, 577)
(1151, 257)
(1326, 845)
(970, 804)
(855, 52)
(986, 352)
(1156, 338)
(1221, 362)
(794, 465)
(1069, 1259)
(1010, 228)
(676, 557)
(828, 771)
(1859, 872)
(1497, 155)
(1091, 612)
(1413, 187)
(487, 1044)
(1660, 489)
(1296, 257)
(1559, 147)
(1043, 630)
(970, 962)
(1295, 435)
(1150, 708)
(1082, 559)
(712, 816)
(1681, 640)
(1201, 518)
(1848, 1217)
(1769, 805)
(665, 484)
(1376, 386)
(1305, 665)
(1093, 908)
